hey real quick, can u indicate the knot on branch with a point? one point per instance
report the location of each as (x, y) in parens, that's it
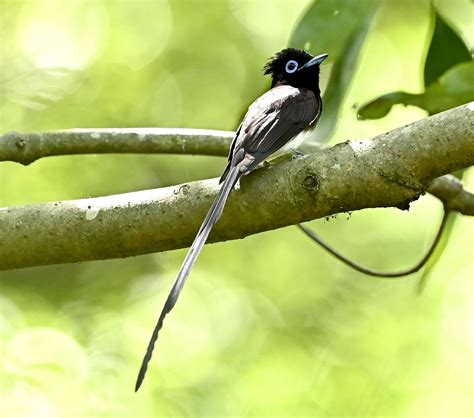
(311, 182)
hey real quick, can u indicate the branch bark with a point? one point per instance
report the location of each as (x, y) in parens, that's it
(392, 169)
(25, 148)
(450, 191)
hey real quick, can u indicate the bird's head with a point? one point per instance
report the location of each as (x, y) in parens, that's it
(296, 68)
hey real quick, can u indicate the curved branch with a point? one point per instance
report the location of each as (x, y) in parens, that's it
(450, 191)
(378, 273)
(392, 169)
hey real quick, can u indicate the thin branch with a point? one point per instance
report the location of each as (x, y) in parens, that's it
(24, 148)
(378, 273)
(392, 169)
(449, 190)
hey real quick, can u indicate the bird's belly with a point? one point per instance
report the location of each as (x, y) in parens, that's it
(291, 145)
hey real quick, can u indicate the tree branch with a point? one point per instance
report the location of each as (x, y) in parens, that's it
(25, 148)
(373, 272)
(450, 191)
(392, 169)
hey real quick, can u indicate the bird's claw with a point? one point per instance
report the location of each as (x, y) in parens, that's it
(297, 154)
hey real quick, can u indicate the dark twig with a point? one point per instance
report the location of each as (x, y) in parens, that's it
(372, 272)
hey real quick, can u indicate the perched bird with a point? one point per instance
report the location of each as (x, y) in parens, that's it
(291, 105)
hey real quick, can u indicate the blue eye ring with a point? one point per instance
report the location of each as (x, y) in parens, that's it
(291, 66)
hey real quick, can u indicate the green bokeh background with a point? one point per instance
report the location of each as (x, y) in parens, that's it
(267, 326)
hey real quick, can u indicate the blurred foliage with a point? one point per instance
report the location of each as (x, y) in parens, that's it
(453, 88)
(448, 77)
(449, 82)
(446, 50)
(279, 328)
(353, 20)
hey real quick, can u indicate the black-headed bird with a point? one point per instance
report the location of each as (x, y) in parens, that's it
(291, 105)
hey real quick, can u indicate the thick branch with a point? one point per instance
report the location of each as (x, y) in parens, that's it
(392, 169)
(25, 148)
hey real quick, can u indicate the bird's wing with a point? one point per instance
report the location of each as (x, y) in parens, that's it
(275, 118)
(272, 121)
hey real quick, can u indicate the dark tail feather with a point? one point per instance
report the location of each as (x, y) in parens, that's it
(225, 174)
(212, 217)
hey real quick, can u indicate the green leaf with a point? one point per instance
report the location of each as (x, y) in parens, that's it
(452, 89)
(448, 77)
(338, 27)
(458, 15)
(439, 251)
(446, 50)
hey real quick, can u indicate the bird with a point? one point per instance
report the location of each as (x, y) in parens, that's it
(291, 105)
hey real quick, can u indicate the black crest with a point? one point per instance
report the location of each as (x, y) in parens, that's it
(277, 63)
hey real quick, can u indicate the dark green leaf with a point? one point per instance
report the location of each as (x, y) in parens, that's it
(453, 88)
(439, 251)
(446, 50)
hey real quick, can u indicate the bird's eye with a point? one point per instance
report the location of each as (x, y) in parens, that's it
(291, 66)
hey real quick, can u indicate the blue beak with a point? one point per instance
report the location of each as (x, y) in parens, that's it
(315, 61)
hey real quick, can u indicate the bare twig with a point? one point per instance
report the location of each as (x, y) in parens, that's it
(372, 272)
(24, 148)
(449, 190)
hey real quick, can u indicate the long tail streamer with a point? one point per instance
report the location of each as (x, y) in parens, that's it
(212, 217)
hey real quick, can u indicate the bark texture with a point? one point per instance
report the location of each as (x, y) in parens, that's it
(389, 170)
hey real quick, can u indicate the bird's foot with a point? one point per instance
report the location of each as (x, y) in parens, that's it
(297, 154)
